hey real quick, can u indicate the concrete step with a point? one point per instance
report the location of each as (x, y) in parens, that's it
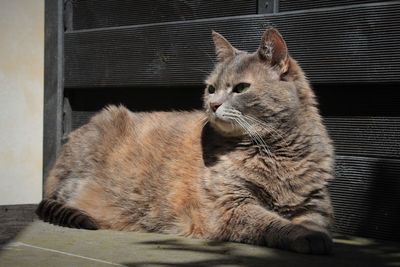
(42, 244)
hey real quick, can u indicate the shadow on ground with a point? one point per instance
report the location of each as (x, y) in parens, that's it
(348, 251)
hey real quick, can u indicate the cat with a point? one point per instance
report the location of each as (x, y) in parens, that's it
(252, 167)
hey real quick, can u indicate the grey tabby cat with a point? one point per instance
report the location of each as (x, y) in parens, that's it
(253, 167)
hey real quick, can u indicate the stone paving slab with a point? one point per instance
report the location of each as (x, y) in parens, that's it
(42, 244)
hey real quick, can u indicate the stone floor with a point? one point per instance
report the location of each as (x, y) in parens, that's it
(41, 244)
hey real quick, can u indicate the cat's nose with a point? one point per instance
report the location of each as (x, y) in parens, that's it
(215, 105)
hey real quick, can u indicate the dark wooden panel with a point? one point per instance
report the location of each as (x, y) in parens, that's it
(53, 82)
(366, 197)
(333, 46)
(14, 218)
(365, 136)
(88, 14)
(358, 99)
(294, 5)
(362, 119)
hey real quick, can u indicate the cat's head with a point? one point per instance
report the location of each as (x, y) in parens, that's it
(246, 87)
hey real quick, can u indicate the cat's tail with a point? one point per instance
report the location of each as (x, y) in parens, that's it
(57, 213)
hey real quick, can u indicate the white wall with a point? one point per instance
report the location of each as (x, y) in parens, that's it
(21, 100)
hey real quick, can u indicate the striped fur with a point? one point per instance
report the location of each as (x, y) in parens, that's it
(56, 213)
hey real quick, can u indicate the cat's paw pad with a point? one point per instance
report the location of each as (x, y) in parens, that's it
(312, 242)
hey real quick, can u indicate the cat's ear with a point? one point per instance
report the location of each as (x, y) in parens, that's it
(273, 49)
(223, 48)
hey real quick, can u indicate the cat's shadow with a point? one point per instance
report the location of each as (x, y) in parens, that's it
(347, 252)
(214, 145)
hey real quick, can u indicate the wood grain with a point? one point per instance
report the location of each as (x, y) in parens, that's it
(13, 219)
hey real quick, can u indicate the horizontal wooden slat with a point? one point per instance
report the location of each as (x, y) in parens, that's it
(296, 5)
(88, 14)
(365, 136)
(365, 196)
(333, 46)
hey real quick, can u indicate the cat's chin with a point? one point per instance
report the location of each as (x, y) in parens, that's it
(226, 127)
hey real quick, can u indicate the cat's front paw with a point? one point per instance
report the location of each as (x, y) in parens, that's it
(309, 241)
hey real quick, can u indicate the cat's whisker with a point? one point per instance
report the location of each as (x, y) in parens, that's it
(229, 115)
(231, 118)
(248, 122)
(248, 132)
(268, 128)
(236, 116)
(233, 112)
(286, 173)
(264, 124)
(253, 135)
(202, 122)
(257, 135)
(260, 122)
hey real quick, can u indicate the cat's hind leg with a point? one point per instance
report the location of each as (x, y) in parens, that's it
(57, 213)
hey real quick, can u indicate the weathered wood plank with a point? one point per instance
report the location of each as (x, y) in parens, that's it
(353, 45)
(13, 219)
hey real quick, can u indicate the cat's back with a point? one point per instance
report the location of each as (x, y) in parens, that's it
(117, 134)
(114, 122)
(117, 143)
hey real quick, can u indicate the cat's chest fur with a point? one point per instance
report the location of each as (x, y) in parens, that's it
(236, 167)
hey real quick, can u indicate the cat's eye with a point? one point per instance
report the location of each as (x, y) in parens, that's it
(241, 87)
(211, 89)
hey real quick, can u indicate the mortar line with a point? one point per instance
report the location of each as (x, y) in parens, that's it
(17, 244)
